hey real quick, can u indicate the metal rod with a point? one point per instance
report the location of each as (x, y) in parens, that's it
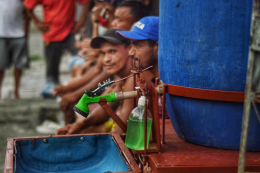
(147, 68)
(135, 100)
(124, 78)
(163, 113)
(145, 126)
(112, 114)
(246, 113)
(247, 103)
(125, 95)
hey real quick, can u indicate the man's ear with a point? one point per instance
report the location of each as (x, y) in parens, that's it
(156, 48)
(128, 48)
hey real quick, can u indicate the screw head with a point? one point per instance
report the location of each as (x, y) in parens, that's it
(45, 140)
(82, 139)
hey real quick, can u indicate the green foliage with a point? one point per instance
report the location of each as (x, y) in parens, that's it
(35, 58)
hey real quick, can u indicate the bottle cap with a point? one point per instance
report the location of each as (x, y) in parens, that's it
(141, 100)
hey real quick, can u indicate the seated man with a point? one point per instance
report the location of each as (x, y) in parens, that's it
(126, 14)
(116, 62)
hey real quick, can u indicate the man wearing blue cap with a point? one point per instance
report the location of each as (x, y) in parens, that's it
(144, 41)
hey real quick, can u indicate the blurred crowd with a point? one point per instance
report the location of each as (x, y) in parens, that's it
(87, 29)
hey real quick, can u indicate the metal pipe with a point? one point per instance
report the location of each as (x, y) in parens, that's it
(163, 113)
(246, 114)
(125, 95)
(145, 131)
(248, 92)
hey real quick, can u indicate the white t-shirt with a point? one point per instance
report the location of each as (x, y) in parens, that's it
(11, 18)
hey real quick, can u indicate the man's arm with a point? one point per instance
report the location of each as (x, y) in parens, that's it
(26, 24)
(43, 27)
(83, 80)
(87, 77)
(83, 16)
(74, 96)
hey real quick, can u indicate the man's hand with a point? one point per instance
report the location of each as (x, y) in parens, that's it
(59, 90)
(64, 130)
(86, 43)
(83, 69)
(43, 27)
(66, 101)
(76, 128)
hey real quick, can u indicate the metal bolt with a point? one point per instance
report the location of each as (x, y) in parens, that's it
(45, 140)
(82, 139)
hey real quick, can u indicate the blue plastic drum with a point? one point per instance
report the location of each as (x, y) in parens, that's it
(204, 44)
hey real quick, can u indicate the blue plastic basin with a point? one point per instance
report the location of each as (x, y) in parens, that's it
(94, 154)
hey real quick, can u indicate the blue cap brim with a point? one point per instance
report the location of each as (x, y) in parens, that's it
(131, 35)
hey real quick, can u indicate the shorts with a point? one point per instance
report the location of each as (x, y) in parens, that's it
(76, 60)
(14, 51)
(110, 125)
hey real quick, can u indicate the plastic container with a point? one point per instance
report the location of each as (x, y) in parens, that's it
(204, 44)
(77, 154)
(135, 127)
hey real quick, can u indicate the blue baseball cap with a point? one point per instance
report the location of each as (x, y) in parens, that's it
(146, 28)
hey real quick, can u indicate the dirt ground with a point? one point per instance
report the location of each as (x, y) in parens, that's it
(19, 118)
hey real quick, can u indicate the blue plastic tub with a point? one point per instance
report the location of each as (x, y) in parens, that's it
(78, 154)
(204, 44)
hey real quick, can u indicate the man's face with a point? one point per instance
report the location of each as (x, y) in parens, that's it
(123, 19)
(114, 57)
(141, 50)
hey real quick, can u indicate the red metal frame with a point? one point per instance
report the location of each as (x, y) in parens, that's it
(102, 102)
(183, 157)
(229, 96)
(153, 107)
(10, 150)
(152, 95)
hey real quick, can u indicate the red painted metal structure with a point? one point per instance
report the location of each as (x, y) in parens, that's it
(182, 157)
(112, 114)
(229, 96)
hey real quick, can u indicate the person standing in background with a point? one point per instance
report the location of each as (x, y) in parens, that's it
(58, 30)
(14, 25)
